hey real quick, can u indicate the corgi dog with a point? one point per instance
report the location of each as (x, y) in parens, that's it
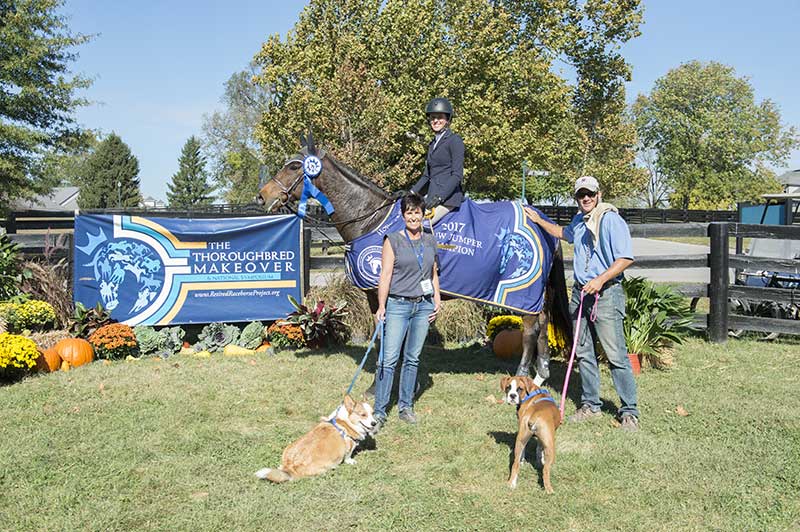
(331, 442)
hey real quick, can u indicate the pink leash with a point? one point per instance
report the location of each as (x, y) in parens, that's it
(592, 318)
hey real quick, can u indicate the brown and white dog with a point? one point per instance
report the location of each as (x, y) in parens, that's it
(538, 416)
(327, 445)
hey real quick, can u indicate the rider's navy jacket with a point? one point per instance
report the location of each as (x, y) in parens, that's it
(444, 170)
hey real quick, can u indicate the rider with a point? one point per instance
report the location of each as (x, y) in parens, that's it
(444, 164)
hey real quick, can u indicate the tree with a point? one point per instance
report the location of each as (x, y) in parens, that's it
(38, 95)
(110, 177)
(229, 137)
(360, 73)
(713, 142)
(190, 187)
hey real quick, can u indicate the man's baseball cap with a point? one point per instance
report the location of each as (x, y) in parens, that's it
(588, 182)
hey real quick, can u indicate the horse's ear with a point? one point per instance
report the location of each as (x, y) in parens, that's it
(312, 149)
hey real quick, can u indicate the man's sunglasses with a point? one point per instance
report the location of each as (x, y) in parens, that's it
(583, 193)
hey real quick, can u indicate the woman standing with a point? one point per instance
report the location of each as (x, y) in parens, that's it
(444, 164)
(408, 299)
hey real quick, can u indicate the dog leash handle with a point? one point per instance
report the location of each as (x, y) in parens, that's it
(576, 337)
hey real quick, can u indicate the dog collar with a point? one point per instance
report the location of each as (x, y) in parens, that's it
(539, 391)
(340, 430)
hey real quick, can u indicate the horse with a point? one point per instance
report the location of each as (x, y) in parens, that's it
(360, 205)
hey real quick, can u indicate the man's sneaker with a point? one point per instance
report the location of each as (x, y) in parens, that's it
(584, 413)
(629, 423)
(408, 416)
(380, 421)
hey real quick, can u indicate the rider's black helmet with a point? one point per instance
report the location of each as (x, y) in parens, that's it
(440, 105)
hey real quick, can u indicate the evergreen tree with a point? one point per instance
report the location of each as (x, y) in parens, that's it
(38, 95)
(110, 178)
(190, 187)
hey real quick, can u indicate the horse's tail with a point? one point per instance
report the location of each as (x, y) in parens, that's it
(556, 297)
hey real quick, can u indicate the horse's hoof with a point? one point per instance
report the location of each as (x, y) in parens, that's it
(543, 367)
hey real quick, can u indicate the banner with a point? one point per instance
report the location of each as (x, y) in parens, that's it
(488, 252)
(160, 271)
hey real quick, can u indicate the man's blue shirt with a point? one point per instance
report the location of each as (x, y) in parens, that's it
(614, 243)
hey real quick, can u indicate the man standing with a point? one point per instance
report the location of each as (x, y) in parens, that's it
(603, 250)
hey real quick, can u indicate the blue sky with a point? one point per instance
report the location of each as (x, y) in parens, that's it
(159, 66)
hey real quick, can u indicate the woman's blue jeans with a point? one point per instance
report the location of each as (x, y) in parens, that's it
(404, 320)
(609, 332)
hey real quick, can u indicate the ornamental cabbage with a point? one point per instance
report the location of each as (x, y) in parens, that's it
(252, 335)
(215, 336)
(164, 342)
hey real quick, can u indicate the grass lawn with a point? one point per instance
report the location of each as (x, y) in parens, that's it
(173, 445)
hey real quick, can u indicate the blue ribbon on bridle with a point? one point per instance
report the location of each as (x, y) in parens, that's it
(312, 167)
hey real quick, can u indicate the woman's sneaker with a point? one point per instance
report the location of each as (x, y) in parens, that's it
(408, 416)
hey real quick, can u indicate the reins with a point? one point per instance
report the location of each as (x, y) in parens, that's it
(576, 338)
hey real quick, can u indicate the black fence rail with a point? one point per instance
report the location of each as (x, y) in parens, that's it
(36, 233)
(37, 220)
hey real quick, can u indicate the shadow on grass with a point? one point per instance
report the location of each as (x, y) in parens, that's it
(468, 359)
(509, 439)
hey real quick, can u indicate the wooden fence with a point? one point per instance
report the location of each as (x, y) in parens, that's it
(45, 240)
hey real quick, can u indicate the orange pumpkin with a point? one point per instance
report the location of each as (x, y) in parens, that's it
(75, 351)
(508, 343)
(48, 360)
(263, 347)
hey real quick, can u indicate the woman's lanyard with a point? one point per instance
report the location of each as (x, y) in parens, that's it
(419, 252)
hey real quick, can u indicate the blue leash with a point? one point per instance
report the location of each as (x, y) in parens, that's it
(379, 327)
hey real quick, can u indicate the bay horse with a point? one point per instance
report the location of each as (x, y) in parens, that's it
(360, 205)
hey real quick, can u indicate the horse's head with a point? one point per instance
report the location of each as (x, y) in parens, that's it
(285, 185)
(288, 182)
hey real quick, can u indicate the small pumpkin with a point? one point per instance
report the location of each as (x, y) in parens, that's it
(508, 343)
(48, 360)
(75, 351)
(263, 347)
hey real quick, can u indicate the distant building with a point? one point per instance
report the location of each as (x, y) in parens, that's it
(61, 199)
(151, 203)
(66, 199)
(790, 181)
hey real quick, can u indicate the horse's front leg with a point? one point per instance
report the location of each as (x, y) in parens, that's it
(542, 350)
(529, 334)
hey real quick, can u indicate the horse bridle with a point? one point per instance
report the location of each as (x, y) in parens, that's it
(288, 191)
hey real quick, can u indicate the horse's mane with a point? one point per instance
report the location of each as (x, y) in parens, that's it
(352, 174)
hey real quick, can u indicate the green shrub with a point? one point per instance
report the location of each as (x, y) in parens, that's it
(10, 268)
(656, 317)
